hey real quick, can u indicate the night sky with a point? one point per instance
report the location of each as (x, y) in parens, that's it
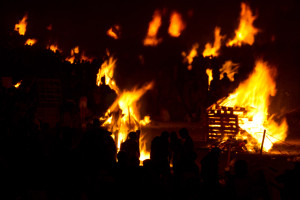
(84, 23)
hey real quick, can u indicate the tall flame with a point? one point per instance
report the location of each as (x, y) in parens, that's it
(213, 51)
(21, 26)
(176, 24)
(230, 68)
(30, 42)
(123, 116)
(254, 95)
(151, 38)
(74, 51)
(210, 76)
(246, 31)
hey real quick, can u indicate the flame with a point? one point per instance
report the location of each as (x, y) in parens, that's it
(210, 76)
(74, 51)
(246, 31)
(151, 38)
(122, 116)
(30, 42)
(85, 58)
(210, 50)
(190, 57)
(21, 26)
(53, 47)
(176, 24)
(230, 68)
(17, 85)
(254, 95)
(113, 31)
(107, 70)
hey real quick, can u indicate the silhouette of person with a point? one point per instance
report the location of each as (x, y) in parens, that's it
(131, 148)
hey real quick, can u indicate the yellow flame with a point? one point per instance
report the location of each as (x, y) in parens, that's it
(112, 32)
(17, 85)
(21, 26)
(246, 31)
(107, 71)
(176, 24)
(213, 51)
(53, 47)
(151, 38)
(230, 68)
(30, 42)
(210, 76)
(254, 95)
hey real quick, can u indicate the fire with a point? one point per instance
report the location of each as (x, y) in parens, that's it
(113, 31)
(230, 68)
(74, 51)
(53, 47)
(176, 25)
(85, 58)
(17, 85)
(213, 51)
(254, 95)
(246, 31)
(190, 57)
(21, 26)
(30, 42)
(210, 76)
(122, 116)
(151, 38)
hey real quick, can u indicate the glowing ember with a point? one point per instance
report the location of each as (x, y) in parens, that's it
(53, 48)
(210, 76)
(30, 42)
(246, 31)
(151, 38)
(113, 31)
(176, 24)
(213, 51)
(254, 95)
(21, 26)
(230, 68)
(18, 84)
(190, 57)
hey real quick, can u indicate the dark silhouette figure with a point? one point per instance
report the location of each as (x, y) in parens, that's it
(225, 84)
(175, 151)
(131, 148)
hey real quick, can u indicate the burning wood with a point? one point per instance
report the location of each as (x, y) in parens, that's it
(246, 31)
(254, 96)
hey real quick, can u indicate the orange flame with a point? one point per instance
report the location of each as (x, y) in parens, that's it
(53, 47)
(30, 42)
(113, 31)
(230, 68)
(190, 57)
(176, 24)
(254, 95)
(210, 76)
(210, 50)
(17, 85)
(21, 26)
(151, 38)
(246, 31)
(74, 51)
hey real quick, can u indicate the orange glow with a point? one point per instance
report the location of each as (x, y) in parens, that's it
(210, 76)
(21, 26)
(30, 42)
(246, 31)
(53, 47)
(85, 58)
(176, 24)
(18, 84)
(49, 28)
(74, 51)
(254, 95)
(151, 38)
(113, 31)
(190, 57)
(230, 68)
(213, 51)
